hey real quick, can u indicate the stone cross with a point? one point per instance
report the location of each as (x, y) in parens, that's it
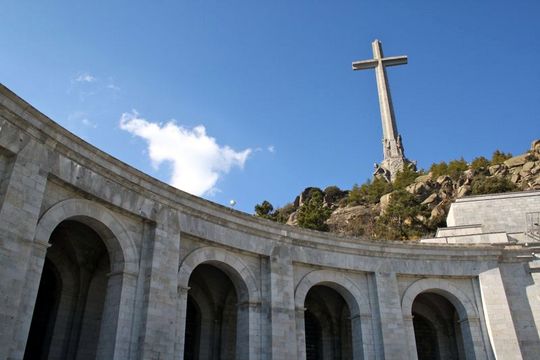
(394, 155)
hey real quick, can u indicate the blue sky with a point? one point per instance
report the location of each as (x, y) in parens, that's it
(262, 94)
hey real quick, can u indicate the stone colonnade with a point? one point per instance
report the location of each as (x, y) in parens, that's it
(118, 340)
(156, 237)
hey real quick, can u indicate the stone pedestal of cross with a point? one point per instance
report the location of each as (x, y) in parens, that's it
(394, 154)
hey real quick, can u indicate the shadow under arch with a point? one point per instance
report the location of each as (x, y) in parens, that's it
(120, 246)
(456, 296)
(123, 261)
(240, 274)
(468, 316)
(248, 293)
(358, 304)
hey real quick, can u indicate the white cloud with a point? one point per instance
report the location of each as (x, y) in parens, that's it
(85, 77)
(113, 87)
(88, 123)
(197, 160)
(271, 148)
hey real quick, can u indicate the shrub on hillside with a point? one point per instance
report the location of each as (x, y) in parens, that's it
(312, 214)
(405, 178)
(491, 185)
(369, 193)
(402, 218)
(438, 169)
(332, 194)
(264, 210)
(480, 163)
(499, 157)
(456, 168)
(283, 213)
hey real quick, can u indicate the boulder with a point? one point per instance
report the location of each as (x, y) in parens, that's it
(443, 179)
(292, 220)
(469, 174)
(384, 202)
(498, 170)
(307, 193)
(515, 178)
(431, 200)
(463, 191)
(536, 169)
(418, 188)
(438, 211)
(351, 220)
(516, 160)
(528, 166)
(535, 146)
(423, 178)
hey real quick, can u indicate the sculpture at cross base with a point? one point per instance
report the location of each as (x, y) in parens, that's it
(394, 155)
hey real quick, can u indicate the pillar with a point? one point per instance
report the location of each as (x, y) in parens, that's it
(283, 343)
(158, 338)
(21, 259)
(394, 338)
(498, 316)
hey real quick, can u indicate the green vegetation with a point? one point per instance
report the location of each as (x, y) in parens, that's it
(282, 214)
(402, 219)
(369, 193)
(405, 178)
(454, 169)
(480, 163)
(333, 194)
(490, 185)
(312, 214)
(499, 157)
(264, 210)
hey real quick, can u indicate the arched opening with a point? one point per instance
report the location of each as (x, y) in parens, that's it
(327, 322)
(67, 316)
(436, 328)
(213, 318)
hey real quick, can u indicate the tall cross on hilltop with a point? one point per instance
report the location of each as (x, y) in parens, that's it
(394, 154)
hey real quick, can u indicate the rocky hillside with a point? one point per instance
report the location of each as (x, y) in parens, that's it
(414, 205)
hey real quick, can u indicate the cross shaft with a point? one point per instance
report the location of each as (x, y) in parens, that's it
(379, 63)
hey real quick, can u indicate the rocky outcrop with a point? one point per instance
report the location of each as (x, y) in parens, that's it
(434, 193)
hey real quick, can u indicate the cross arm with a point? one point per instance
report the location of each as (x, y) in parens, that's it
(365, 64)
(394, 60)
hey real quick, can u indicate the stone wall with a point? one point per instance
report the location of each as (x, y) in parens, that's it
(156, 236)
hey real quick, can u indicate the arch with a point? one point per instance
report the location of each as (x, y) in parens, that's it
(460, 300)
(120, 246)
(240, 274)
(359, 308)
(356, 300)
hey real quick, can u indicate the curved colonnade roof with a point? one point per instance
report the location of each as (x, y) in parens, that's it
(60, 141)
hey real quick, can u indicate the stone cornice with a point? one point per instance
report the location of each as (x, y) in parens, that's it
(60, 141)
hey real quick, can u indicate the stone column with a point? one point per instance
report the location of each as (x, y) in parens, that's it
(301, 333)
(282, 310)
(181, 313)
(362, 336)
(394, 337)
(22, 189)
(472, 338)
(498, 316)
(161, 306)
(116, 324)
(411, 339)
(248, 331)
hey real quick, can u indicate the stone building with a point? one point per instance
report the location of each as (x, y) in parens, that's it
(99, 260)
